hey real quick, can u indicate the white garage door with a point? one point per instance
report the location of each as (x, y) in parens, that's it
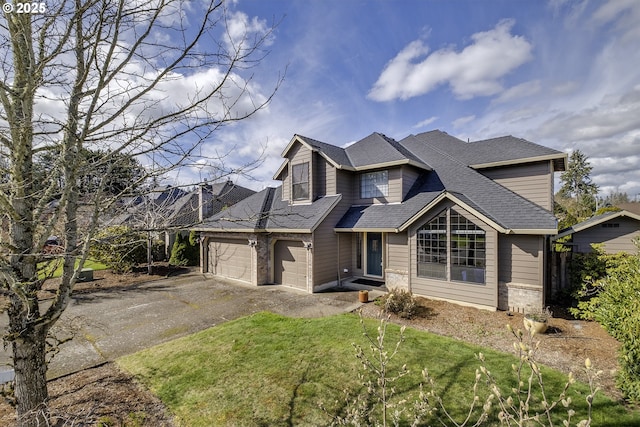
(290, 264)
(230, 258)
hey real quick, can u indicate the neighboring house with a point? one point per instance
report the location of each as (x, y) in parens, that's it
(464, 222)
(614, 230)
(170, 210)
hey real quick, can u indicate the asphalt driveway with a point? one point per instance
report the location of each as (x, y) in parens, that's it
(112, 323)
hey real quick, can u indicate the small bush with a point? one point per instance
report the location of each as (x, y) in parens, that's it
(400, 302)
(120, 248)
(185, 250)
(613, 302)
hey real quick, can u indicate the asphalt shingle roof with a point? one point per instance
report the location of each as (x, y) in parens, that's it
(267, 211)
(337, 154)
(377, 148)
(445, 160)
(490, 198)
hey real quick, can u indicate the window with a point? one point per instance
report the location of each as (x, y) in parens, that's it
(374, 184)
(432, 248)
(468, 250)
(300, 181)
(458, 249)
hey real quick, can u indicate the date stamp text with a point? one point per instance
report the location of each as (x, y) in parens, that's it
(33, 8)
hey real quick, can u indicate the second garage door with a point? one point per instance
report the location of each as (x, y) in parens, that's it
(230, 258)
(290, 264)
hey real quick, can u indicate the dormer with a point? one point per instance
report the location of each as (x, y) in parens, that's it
(307, 172)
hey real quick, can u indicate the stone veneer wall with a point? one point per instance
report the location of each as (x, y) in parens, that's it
(396, 279)
(519, 297)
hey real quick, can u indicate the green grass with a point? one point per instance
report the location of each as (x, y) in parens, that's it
(56, 265)
(271, 370)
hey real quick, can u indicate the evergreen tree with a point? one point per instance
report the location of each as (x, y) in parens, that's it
(577, 196)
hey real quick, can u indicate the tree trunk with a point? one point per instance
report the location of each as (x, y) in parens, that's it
(149, 254)
(31, 377)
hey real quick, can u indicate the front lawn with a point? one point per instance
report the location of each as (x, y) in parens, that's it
(268, 369)
(56, 266)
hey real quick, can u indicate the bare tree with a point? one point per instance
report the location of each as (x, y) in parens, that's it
(127, 78)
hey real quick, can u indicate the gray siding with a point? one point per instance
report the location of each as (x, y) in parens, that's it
(328, 258)
(409, 177)
(344, 185)
(521, 259)
(615, 239)
(298, 154)
(533, 181)
(320, 176)
(286, 184)
(485, 295)
(397, 251)
(395, 188)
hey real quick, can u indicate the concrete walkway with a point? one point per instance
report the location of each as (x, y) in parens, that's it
(112, 323)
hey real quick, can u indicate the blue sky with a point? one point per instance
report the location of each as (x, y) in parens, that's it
(565, 74)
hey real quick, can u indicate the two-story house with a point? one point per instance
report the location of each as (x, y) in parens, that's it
(443, 218)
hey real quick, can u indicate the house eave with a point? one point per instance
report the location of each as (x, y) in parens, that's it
(534, 231)
(366, 230)
(228, 230)
(276, 176)
(559, 156)
(391, 164)
(289, 230)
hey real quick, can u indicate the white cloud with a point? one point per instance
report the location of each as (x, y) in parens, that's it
(463, 121)
(474, 71)
(522, 90)
(425, 122)
(243, 32)
(623, 14)
(612, 116)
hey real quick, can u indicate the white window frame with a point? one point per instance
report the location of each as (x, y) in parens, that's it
(294, 183)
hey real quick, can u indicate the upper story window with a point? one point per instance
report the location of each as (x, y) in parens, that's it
(300, 181)
(374, 184)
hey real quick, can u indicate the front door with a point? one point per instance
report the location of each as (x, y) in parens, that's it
(374, 254)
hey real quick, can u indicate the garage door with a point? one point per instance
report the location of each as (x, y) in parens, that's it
(290, 264)
(230, 259)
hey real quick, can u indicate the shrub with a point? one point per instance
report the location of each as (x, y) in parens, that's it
(185, 250)
(400, 302)
(614, 303)
(586, 271)
(120, 248)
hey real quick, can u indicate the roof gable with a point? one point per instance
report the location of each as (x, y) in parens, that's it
(595, 221)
